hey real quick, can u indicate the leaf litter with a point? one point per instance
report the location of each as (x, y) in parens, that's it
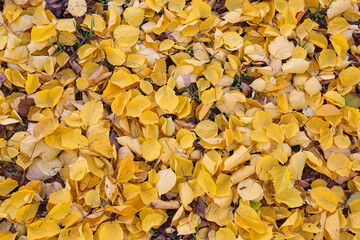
(179, 119)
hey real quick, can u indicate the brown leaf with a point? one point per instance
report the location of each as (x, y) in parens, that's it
(57, 7)
(2, 78)
(245, 88)
(97, 73)
(331, 150)
(75, 66)
(3, 131)
(24, 106)
(200, 207)
(182, 124)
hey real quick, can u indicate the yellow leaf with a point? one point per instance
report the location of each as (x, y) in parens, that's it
(126, 169)
(339, 163)
(73, 139)
(248, 189)
(211, 161)
(340, 45)
(281, 178)
(77, 8)
(166, 181)
(59, 211)
(48, 97)
(327, 110)
(281, 48)
(45, 127)
(27, 213)
(166, 45)
(176, 5)
(43, 228)
(296, 165)
(232, 40)
(318, 40)
(310, 227)
(225, 233)
(335, 98)
(149, 117)
(332, 226)
(148, 193)
(7, 186)
(349, 76)
(312, 86)
(337, 25)
(91, 112)
(126, 35)
(325, 198)
(119, 103)
(7, 235)
(86, 51)
(166, 98)
(137, 105)
(151, 150)
(32, 83)
(115, 56)
(295, 65)
(239, 156)
(92, 198)
(338, 7)
(110, 230)
(70, 233)
(206, 183)
(39, 34)
(275, 132)
(290, 197)
(206, 129)
(186, 193)
(79, 169)
(134, 16)
(151, 220)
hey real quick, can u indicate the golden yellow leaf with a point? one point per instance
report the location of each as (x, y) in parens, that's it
(239, 156)
(39, 34)
(91, 112)
(148, 193)
(137, 105)
(32, 83)
(48, 97)
(166, 98)
(126, 35)
(110, 230)
(92, 198)
(43, 228)
(225, 233)
(207, 183)
(186, 193)
(115, 56)
(290, 197)
(339, 163)
(79, 169)
(206, 129)
(151, 150)
(324, 197)
(281, 178)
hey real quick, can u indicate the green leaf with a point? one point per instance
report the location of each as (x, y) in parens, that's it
(255, 205)
(352, 100)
